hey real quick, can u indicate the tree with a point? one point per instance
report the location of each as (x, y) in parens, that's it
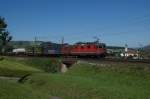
(3, 25)
(5, 37)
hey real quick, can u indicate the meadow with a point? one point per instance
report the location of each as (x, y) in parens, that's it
(81, 81)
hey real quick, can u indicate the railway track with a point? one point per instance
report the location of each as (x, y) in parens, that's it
(147, 61)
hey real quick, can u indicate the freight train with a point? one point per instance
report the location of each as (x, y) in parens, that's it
(87, 49)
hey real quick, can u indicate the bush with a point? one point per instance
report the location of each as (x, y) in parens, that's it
(1, 58)
(51, 66)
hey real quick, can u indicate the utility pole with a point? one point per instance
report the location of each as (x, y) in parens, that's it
(36, 48)
(126, 51)
(62, 40)
(35, 44)
(140, 50)
(35, 39)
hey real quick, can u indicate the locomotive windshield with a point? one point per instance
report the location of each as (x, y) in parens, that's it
(101, 46)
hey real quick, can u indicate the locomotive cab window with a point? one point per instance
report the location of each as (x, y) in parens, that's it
(99, 46)
(104, 46)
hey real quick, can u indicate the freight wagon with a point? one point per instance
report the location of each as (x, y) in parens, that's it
(49, 48)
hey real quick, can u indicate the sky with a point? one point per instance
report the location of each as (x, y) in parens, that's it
(115, 22)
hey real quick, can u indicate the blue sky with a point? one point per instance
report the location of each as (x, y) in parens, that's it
(115, 22)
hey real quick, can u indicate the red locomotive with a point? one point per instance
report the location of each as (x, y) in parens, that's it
(85, 49)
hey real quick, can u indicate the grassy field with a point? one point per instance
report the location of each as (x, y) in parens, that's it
(82, 81)
(12, 68)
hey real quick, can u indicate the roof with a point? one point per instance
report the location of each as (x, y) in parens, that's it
(78, 43)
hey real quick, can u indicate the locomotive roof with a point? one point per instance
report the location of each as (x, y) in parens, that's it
(80, 43)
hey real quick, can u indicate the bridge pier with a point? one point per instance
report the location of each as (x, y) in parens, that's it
(66, 63)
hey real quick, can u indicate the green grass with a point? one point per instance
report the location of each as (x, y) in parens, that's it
(82, 81)
(12, 68)
(13, 90)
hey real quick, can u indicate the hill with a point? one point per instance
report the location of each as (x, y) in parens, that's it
(147, 47)
(23, 44)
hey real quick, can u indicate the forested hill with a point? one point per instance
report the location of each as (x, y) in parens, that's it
(147, 47)
(23, 44)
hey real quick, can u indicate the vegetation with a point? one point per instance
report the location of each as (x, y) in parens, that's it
(45, 64)
(12, 68)
(82, 81)
(22, 66)
(5, 38)
(13, 90)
